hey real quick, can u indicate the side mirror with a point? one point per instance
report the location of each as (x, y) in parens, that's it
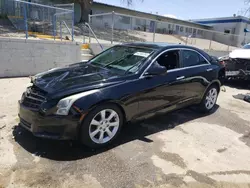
(156, 69)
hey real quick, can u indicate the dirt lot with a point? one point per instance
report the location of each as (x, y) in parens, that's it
(181, 149)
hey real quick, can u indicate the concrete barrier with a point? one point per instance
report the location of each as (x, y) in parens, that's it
(19, 57)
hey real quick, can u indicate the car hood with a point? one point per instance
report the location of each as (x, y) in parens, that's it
(240, 53)
(75, 78)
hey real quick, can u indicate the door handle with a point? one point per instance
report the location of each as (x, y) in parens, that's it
(208, 70)
(180, 77)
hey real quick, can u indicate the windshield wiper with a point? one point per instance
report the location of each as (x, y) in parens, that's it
(118, 61)
(137, 64)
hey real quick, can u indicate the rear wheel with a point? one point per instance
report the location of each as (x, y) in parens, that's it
(101, 126)
(210, 98)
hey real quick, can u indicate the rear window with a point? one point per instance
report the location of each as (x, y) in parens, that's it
(192, 58)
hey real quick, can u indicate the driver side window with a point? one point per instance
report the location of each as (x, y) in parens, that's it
(170, 59)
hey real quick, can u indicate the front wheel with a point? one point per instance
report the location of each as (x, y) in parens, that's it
(101, 126)
(209, 100)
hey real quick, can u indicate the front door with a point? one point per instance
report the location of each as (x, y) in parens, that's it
(162, 91)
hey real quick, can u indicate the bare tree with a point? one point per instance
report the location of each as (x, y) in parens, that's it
(130, 2)
(246, 11)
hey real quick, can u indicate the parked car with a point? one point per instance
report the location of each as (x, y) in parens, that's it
(92, 101)
(237, 63)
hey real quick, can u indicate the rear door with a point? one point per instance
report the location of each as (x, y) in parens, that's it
(199, 72)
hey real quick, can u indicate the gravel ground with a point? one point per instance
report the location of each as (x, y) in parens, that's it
(180, 149)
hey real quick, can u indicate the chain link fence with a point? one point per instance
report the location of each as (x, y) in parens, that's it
(65, 21)
(102, 26)
(117, 28)
(6, 27)
(41, 21)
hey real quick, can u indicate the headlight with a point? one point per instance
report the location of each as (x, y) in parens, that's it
(65, 104)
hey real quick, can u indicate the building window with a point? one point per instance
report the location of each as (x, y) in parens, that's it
(233, 30)
(200, 32)
(125, 20)
(177, 28)
(186, 29)
(190, 30)
(181, 29)
(227, 31)
(194, 31)
(169, 26)
(138, 21)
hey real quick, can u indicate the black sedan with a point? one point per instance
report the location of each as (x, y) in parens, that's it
(92, 101)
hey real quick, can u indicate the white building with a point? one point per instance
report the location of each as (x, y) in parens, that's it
(137, 20)
(233, 29)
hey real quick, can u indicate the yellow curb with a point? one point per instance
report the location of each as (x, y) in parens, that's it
(85, 46)
(43, 36)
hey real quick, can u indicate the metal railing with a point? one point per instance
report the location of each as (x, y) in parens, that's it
(93, 33)
(64, 23)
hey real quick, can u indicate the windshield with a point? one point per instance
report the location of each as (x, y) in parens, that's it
(123, 59)
(247, 46)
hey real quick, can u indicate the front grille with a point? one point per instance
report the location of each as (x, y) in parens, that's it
(25, 123)
(237, 64)
(33, 97)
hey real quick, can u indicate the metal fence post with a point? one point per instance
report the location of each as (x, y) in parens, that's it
(131, 23)
(73, 20)
(154, 31)
(25, 20)
(54, 26)
(43, 20)
(49, 18)
(89, 29)
(112, 28)
(61, 30)
(210, 44)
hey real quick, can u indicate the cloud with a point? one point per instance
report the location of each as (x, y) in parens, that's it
(170, 15)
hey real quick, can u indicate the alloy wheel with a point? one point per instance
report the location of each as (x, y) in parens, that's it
(211, 98)
(104, 126)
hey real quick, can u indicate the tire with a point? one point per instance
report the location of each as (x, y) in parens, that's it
(209, 100)
(101, 126)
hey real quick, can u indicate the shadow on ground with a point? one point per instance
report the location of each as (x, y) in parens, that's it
(67, 150)
(239, 84)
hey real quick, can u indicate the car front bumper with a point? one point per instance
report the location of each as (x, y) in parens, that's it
(51, 126)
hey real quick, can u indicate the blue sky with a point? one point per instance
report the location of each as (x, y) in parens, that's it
(185, 9)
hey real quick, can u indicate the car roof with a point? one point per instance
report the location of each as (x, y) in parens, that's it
(157, 45)
(148, 44)
(160, 46)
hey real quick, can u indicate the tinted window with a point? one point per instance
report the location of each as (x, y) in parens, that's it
(124, 59)
(191, 58)
(169, 59)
